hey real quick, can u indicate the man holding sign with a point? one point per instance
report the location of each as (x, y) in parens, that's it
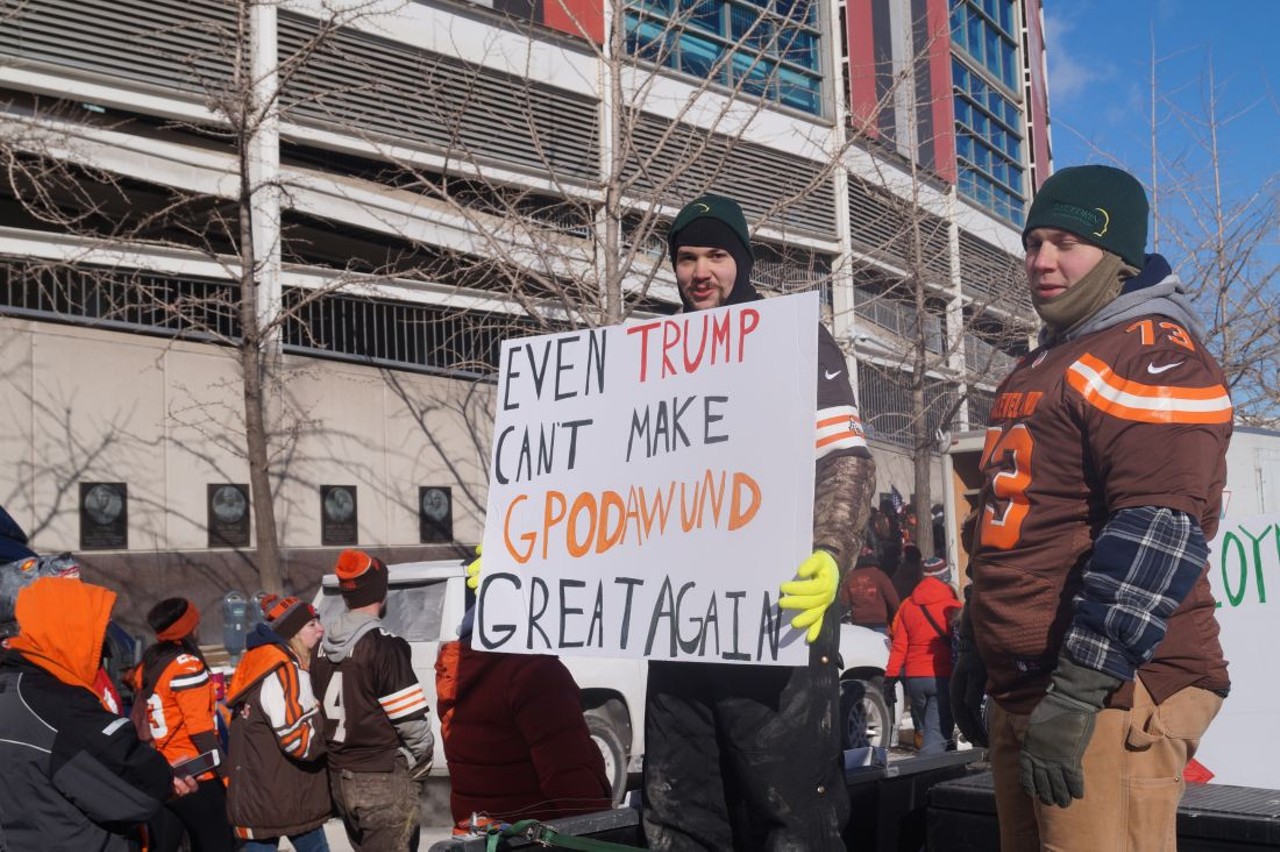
(748, 756)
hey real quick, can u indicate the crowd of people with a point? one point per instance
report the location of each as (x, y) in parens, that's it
(268, 762)
(1085, 656)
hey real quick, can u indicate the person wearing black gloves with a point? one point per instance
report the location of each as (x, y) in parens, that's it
(1090, 621)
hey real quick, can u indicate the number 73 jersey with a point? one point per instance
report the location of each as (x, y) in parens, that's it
(1133, 415)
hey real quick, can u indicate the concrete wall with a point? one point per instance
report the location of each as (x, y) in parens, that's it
(165, 418)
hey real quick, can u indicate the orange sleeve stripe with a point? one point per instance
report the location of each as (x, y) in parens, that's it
(838, 420)
(399, 705)
(1099, 385)
(839, 436)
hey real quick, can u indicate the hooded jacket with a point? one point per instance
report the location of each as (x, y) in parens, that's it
(515, 738)
(919, 650)
(75, 775)
(870, 596)
(383, 710)
(278, 785)
(1099, 548)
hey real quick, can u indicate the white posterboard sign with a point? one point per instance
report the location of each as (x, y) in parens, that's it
(1241, 747)
(651, 485)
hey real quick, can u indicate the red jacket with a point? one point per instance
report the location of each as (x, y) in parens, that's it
(917, 646)
(514, 737)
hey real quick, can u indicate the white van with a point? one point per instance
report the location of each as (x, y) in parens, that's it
(425, 605)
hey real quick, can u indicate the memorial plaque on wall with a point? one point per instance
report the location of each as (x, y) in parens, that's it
(435, 514)
(338, 520)
(228, 512)
(104, 515)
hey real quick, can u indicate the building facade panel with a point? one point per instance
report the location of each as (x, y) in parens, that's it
(389, 393)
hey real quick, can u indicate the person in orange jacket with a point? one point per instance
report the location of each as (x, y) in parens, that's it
(174, 681)
(75, 774)
(922, 652)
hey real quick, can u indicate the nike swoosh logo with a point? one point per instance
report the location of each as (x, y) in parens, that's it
(1155, 371)
(830, 375)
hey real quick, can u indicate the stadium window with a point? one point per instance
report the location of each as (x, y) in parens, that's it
(769, 49)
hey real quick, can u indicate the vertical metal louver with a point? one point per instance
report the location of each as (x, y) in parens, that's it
(358, 83)
(683, 162)
(180, 47)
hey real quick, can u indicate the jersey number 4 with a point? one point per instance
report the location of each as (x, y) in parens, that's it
(1002, 517)
(333, 710)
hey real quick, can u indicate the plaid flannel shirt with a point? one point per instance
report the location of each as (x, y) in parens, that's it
(1144, 564)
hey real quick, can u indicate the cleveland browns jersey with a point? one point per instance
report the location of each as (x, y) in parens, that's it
(1133, 415)
(362, 695)
(181, 706)
(838, 424)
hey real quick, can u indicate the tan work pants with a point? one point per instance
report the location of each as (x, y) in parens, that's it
(1132, 778)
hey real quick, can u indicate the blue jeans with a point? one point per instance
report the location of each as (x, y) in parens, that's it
(931, 706)
(311, 841)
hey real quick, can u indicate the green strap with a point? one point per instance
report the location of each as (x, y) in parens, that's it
(531, 829)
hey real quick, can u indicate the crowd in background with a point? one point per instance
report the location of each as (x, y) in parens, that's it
(893, 589)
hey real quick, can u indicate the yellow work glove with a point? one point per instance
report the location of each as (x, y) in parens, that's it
(812, 593)
(473, 571)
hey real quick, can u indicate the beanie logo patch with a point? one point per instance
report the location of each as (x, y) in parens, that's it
(1106, 221)
(706, 208)
(1097, 224)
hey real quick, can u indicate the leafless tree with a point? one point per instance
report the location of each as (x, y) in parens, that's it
(939, 336)
(52, 166)
(1225, 238)
(1220, 236)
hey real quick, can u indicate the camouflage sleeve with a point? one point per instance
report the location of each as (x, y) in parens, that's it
(841, 504)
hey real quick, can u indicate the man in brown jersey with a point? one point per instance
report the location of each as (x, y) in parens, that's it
(376, 729)
(1090, 622)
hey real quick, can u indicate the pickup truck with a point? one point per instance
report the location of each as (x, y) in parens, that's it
(426, 602)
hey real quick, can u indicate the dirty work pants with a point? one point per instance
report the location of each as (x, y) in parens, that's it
(379, 810)
(745, 757)
(1132, 778)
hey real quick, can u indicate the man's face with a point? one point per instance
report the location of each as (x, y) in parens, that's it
(1057, 260)
(705, 275)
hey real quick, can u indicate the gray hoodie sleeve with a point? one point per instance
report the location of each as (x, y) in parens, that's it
(417, 738)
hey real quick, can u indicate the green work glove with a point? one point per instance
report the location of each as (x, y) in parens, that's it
(1059, 732)
(968, 685)
(812, 593)
(473, 571)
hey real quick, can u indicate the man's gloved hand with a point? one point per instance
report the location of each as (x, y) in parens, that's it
(812, 593)
(1059, 732)
(891, 691)
(473, 571)
(968, 685)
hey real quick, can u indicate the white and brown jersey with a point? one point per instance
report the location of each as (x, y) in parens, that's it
(364, 694)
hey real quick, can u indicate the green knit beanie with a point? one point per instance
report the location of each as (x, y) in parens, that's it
(718, 207)
(1102, 205)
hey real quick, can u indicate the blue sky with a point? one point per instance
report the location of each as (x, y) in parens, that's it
(1099, 99)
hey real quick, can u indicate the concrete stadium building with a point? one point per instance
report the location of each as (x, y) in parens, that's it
(419, 179)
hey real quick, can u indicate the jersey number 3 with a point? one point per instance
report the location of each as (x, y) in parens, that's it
(333, 710)
(1002, 516)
